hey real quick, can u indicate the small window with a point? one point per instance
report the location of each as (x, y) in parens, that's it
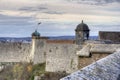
(56, 47)
(50, 50)
(90, 55)
(118, 35)
(44, 53)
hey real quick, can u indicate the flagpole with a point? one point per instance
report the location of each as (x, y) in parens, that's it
(38, 25)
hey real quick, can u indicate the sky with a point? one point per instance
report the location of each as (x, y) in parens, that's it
(19, 18)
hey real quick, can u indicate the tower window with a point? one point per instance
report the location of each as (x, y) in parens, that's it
(50, 50)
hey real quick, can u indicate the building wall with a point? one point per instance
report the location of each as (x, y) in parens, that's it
(14, 52)
(113, 36)
(58, 56)
(79, 35)
(96, 51)
(104, 48)
(107, 68)
(39, 55)
(61, 57)
(85, 61)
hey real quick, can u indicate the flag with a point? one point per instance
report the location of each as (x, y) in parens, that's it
(39, 23)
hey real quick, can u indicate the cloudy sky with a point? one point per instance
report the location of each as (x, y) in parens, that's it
(19, 18)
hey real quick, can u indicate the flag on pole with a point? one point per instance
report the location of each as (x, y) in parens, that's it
(39, 23)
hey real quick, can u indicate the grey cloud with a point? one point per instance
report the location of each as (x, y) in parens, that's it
(40, 9)
(12, 17)
(108, 1)
(14, 20)
(25, 8)
(94, 2)
(53, 12)
(32, 8)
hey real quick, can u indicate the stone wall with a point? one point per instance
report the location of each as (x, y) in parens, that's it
(23, 52)
(85, 61)
(58, 55)
(14, 52)
(95, 52)
(107, 68)
(39, 51)
(104, 48)
(112, 36)
(61, 57)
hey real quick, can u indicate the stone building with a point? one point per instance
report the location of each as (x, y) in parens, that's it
(81, 33)
(59, 55)
(107, 68)
(109, 36)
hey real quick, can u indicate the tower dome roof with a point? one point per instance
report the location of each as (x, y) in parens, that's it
(36, 33)
(82, 27)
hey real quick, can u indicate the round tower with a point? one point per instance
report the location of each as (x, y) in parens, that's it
(81, 33)
(35, 35)
(35, 38)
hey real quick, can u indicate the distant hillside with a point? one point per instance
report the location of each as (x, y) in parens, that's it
(13, 39)
(28, 39)
(62, 38)
(70, 38)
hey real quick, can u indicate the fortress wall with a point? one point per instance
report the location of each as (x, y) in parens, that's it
(85, 61)
(107, 68)
(113, 36)
(14, 52)
(96, 51)
(40, 51)
(61, 41)
(104, 48)
(61, 57)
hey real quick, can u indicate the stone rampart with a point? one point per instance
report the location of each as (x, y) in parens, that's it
(39, 51)
(107, 68)
(97, 48)
(92, 52)
(61, 57)
(104, 48)
(14, 52)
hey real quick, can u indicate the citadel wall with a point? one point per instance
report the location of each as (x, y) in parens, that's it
(14, 52)
(95, 52)
(61, 57)
(107, 68)
(40, 48)
(85, 61)
(104, 48)
(113, 36)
